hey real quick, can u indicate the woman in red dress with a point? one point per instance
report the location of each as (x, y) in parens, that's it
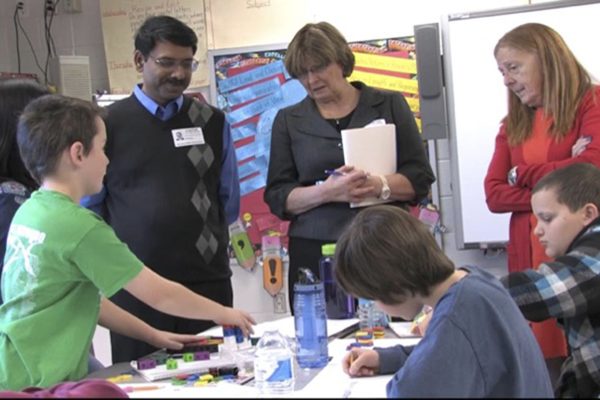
(553, 120)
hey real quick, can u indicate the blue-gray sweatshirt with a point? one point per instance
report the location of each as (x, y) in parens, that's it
(477, 345)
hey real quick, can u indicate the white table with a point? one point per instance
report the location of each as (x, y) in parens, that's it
(329, 382)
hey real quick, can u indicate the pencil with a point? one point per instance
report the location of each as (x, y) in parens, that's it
(352, 357)
(130, 389)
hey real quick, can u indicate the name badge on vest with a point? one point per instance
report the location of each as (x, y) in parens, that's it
(187, 136)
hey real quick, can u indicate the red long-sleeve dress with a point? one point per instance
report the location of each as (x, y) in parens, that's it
(534, 158)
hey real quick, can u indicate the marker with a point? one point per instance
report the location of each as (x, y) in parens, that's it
(333, 172)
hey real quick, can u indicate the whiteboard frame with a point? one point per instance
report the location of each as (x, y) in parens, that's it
(464, 241)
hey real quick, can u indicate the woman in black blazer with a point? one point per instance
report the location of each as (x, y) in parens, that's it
(306, 142)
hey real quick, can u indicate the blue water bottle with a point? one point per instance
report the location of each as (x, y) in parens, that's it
(339, 305)
(310, 321)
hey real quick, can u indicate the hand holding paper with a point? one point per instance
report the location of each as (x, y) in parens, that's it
(372, 149)
(347, 184)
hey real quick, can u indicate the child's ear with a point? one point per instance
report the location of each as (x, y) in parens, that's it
(590, 212)
(76, 153)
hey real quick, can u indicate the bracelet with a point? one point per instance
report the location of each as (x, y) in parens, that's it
(512, 176)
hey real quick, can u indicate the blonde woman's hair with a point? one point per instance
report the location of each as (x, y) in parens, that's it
(564, 82)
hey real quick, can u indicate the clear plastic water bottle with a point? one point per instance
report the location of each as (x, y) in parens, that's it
(379, 317)
(370, 316)
(365, 314)
(310, 321)
(273, 364)
(339, 305)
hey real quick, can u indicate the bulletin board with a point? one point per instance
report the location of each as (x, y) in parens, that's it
(389, 64)
(121, 19)
(251, 85)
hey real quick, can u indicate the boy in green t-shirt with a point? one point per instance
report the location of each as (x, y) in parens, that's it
(63, 261)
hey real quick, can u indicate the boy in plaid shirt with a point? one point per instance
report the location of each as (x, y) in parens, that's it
(566, 203)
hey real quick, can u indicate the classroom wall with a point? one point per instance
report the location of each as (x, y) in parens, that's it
(74, 34)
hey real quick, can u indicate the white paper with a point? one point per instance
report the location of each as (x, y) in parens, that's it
(372, 149)
(330, 382)
(364, 387)
(380, 121)
(286, 327)
(402, 329)
(221, 389)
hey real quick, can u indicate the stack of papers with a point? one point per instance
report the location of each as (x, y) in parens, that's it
(372, 149)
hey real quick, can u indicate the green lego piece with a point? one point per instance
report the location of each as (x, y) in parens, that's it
(187, 357)
(171, 363)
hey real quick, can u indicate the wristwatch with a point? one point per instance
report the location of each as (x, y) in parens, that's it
(385, 188)
(512, 176)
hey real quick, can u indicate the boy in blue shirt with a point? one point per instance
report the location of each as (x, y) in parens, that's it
(62, 259)
(477, 343)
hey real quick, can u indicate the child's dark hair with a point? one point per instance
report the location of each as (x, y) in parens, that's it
(51, 124)
(575, 185)
(15, 94)
(386, 254)
(162, 28)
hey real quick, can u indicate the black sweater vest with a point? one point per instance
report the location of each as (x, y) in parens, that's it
(150, 184)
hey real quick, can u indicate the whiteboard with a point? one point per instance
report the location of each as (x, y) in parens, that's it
(477, 98)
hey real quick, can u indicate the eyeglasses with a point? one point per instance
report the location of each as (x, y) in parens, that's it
(170, 63)
(317, 69)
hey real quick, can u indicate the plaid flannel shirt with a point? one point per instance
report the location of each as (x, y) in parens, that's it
(568, 288)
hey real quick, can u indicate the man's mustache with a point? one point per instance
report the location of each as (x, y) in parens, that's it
(176, 82)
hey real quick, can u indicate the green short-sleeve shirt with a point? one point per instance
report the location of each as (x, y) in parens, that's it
(59, 258)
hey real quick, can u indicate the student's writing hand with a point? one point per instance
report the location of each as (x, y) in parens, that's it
(361, 362)
(232, 316)
(170, 340)
(421, 322)
(580, 145)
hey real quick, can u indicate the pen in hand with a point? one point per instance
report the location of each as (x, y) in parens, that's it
(333, 172)
(350, 360)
